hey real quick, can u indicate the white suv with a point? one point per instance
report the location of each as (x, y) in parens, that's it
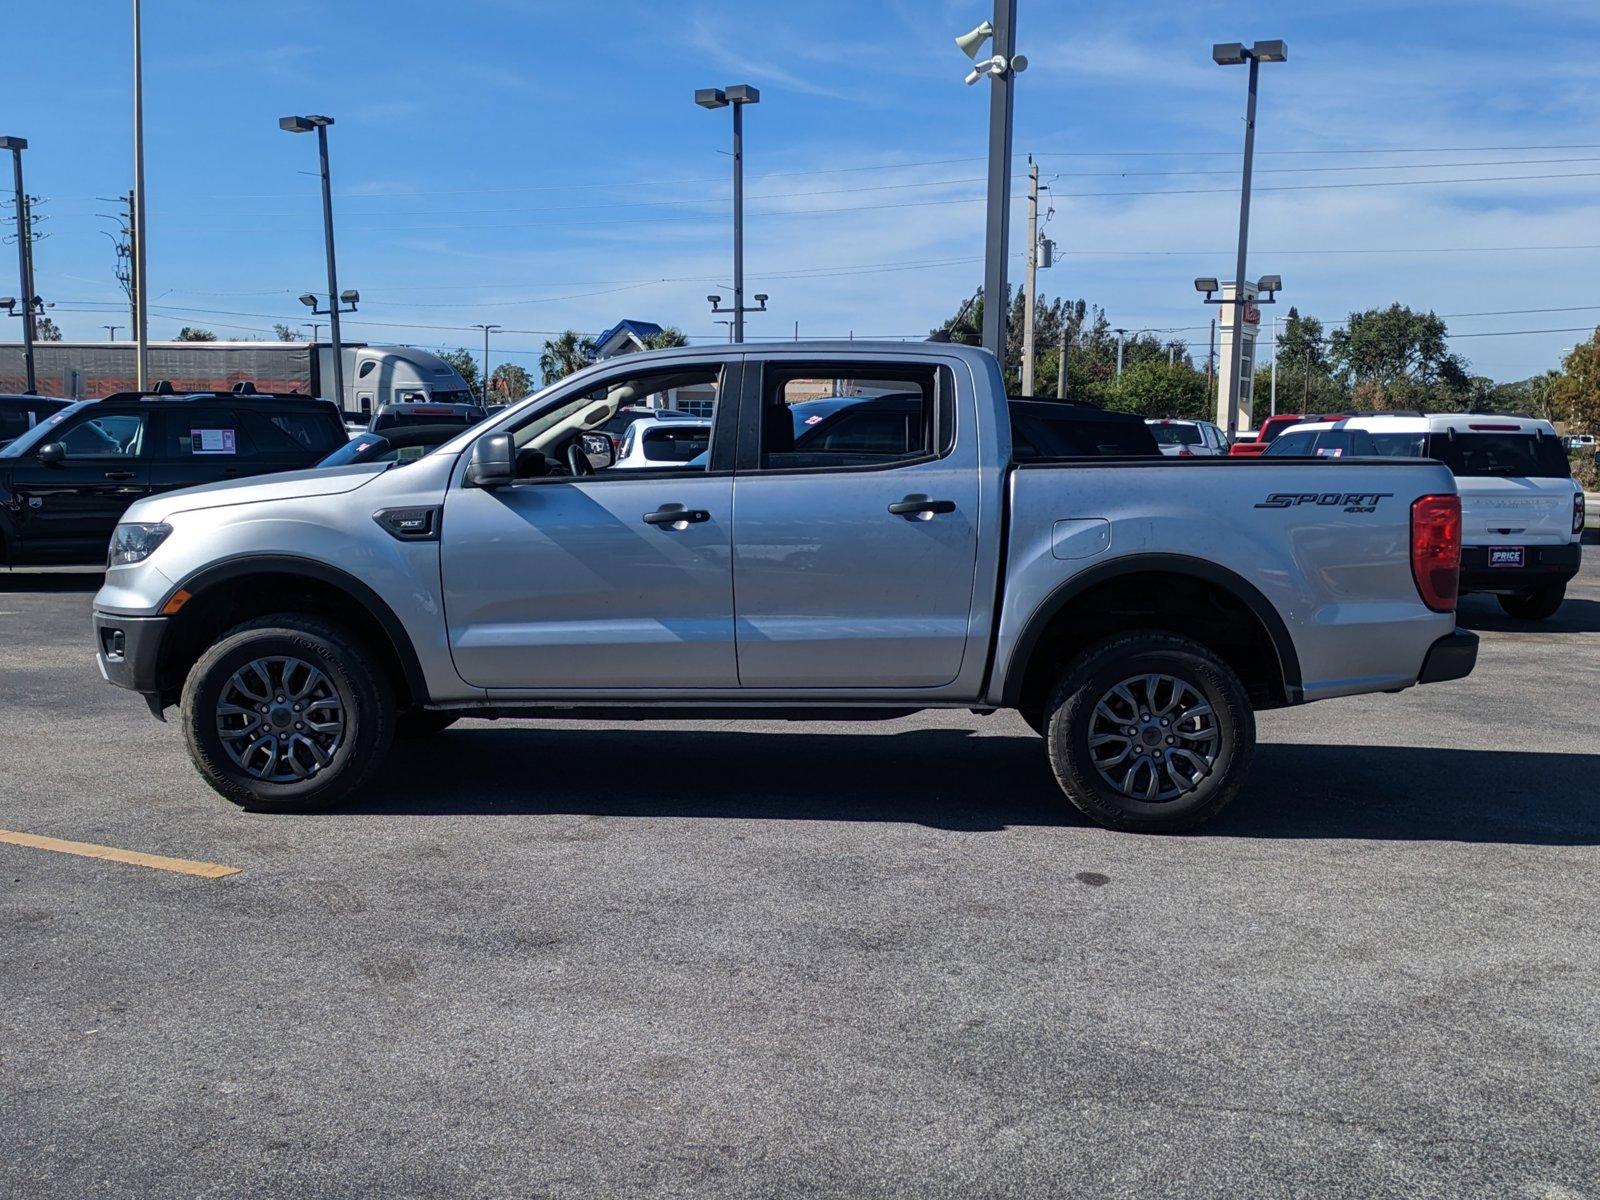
(658, 442)
(1521, 511)
(1186, 439)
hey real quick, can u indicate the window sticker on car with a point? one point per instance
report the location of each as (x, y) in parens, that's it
(213, 441)
(1330, 451)
(813, 420)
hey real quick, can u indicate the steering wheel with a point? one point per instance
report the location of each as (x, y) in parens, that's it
(578, 461)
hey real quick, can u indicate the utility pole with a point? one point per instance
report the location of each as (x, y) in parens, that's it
(1061, 363)
(1274, 411)
(24, 259)
(141, 266)
(1031, 299)
(997, 234)
(1211, 359)
(486, 329)
(111, 331)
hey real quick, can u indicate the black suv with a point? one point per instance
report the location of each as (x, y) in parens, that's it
(66, 481)
(18, 414)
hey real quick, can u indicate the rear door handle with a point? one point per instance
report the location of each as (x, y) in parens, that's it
(121, 474)
(676, 514)
(916, 505)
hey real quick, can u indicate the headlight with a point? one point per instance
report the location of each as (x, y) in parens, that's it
(135, 543)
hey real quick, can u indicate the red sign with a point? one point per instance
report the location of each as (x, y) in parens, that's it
(1252, 314)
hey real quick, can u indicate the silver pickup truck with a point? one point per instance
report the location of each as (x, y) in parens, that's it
(842, 530)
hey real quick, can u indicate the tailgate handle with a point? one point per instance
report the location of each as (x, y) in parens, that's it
(917, 505)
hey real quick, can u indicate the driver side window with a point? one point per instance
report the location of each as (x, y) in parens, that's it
(658, 421)
(116, 435)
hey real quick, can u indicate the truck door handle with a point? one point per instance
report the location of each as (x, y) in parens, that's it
(676, 514)
(916, 505)
(120, 474)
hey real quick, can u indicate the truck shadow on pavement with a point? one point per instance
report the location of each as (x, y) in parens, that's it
(951, 779)
(1576, 615)
(21, 579)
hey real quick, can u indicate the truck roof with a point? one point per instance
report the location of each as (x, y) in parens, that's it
(1436, 423)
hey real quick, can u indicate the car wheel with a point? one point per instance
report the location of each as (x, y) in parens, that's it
(421, 723)
(1149, 732)
(287, 713)
(1537, 605)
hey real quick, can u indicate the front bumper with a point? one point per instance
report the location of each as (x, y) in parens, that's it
(128, 650)
(1543, 565)
(1451, 657)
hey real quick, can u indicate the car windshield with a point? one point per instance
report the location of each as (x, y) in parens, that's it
(40, 433)
(1176, 435)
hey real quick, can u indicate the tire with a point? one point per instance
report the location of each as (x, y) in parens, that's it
(1538, 605)
(309, 770)
(421, 723)
(1220, 735)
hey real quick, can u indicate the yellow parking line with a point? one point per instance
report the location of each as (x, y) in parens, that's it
(137, 858)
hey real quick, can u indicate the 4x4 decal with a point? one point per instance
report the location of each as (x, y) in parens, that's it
(1350, 502)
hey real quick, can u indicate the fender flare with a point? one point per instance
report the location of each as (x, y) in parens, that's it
(1236, 585)
(292, 564)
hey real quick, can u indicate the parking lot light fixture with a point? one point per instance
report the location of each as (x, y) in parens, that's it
(319, 124)
(1232, 54)
(735, 96)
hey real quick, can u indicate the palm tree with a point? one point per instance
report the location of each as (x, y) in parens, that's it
(570, 352)
(669, 337)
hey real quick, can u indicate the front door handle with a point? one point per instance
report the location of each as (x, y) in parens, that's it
(917, 505)
(676, 514)
(121, 474)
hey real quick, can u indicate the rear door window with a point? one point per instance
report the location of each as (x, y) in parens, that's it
(1513, 455)
(890, 415)
(1176, 435)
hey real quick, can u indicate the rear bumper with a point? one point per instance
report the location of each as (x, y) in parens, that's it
(1543, 565)
(1451, 657)
(128, 650)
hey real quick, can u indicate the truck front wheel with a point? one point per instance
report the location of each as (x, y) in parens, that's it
(1149, 732)
(287, 713)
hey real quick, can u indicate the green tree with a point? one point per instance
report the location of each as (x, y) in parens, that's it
(1306, 382)
(563, 355)
(46, 330)
(665, 340)
(1397, 357)
(284, 333)
(466, 366)
(1153, 388)
(193, 333)
(509, 383)
(1578, 388)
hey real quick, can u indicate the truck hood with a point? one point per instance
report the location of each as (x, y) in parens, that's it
(290, 485)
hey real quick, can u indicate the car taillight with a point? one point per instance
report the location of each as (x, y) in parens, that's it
(1577, 512)
(1185, 453)
(1436, 550)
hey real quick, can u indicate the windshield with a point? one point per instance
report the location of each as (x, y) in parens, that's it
(1176, 435)
(41, 433)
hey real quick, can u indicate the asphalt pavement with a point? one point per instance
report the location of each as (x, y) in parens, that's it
(767, 959)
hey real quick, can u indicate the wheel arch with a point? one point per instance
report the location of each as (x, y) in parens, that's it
(1265, 650)
(224, 593)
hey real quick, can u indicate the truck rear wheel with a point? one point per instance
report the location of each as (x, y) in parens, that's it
(1149, 732)
(1538, 605)
(287, 713)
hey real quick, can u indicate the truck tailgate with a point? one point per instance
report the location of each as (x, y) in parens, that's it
(1323, 543)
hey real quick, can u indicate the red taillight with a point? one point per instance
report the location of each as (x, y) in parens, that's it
(1436, 550)
(1185, 453)
(1577, 512)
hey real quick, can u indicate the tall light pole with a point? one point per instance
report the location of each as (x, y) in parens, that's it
(1031, 299)
(486, 331)
(24, 258)
(305, 125)
(738, 96)
(1232, 54)
(141, 263)
(1119, 333)
(1274, 409)
(1001, 69)
(111, 331)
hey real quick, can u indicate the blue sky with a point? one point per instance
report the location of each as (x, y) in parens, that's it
(543, 166)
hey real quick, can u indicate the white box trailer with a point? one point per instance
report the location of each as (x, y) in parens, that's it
(373, 375)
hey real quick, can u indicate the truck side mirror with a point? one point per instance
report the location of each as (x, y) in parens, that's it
(600, 445)
(493, 462)
(52, 454)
